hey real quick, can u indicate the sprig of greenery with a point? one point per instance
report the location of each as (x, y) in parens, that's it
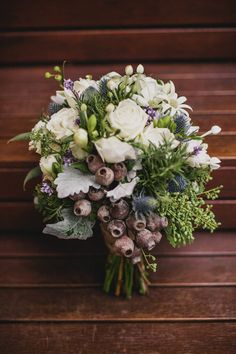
(159, 166)
(50, 206)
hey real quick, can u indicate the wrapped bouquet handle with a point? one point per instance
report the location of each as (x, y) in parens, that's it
(122, 151)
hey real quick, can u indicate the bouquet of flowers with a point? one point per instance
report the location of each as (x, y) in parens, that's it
(122, 152)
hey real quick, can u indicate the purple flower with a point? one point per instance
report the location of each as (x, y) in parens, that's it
(68, 158)
(197, 150)
(69, 84)
(77, 121)
(46, 188)
(151, 113)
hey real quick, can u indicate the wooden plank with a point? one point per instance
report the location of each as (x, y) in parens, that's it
(27, 218)
(225, 176)
(78, 46)
(148, 338)
(89, 269)
(84, 304)
(38, 245)
(17, 155)
(115, 14)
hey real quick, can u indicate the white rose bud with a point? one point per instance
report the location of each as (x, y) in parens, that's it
(112, 150)
(129, 70)
(110, 107)
(140, 69)
(46, 164)
(81, 138)
(111, 85)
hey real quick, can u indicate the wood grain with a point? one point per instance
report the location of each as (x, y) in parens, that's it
(88, 269)
(160, 44)
(29, 245)
(115, 14)
(147, 337)
(84, 304)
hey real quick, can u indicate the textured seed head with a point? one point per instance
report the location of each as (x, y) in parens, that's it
(95, 194)
(145, 239)
(94, 162)
(103, 214)
(116, 227)
(120, 209)
(104, 176)
(124, 246)
(120, 171)
(82, 207)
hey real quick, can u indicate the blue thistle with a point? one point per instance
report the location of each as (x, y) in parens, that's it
(177, 184)
(54, 107)
(182, 124)
(143, 204)
(103, 87)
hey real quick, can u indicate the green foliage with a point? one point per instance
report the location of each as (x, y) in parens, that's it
(186, 212)
(35, 172)
(21, 137)
(71, 226)
(159, 166)
(50, 206)
(165, 122)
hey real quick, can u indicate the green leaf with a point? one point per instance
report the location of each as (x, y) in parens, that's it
(20, 137)
(35, 172)
(71, 227)
(82, 166)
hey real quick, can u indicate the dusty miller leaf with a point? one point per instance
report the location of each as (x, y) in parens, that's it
(71, 227)
(122, 190)
(72, 181)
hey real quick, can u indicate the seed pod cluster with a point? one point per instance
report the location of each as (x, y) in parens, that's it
(126, 233)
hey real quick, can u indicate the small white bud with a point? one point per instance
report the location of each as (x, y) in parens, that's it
(110, 107)
(140, 69)
(215, 129)
(129, 70)
(83, 107)
(111, 85)
(81, 138)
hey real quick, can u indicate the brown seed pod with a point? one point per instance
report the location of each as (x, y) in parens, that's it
(96, 194)
(136, 224)
(120, 209)
(120, 171)
(104, 176)
(145, 239)
(103, 214)
(124, 246)
(78, 196)
(94, 162)
(116, 227)
(82, 207)
(157, 236)
(156, 222)
(136, 255)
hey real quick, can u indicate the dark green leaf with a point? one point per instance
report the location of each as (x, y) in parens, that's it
(21, 137)
(35, 172)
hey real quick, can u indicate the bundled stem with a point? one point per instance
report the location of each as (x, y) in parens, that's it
(123, 277)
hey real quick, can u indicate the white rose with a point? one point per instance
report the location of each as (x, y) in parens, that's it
(79, 87)
(157, 136)
(62, 124)
(129, 118)
(46, 164)
(112, 150)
